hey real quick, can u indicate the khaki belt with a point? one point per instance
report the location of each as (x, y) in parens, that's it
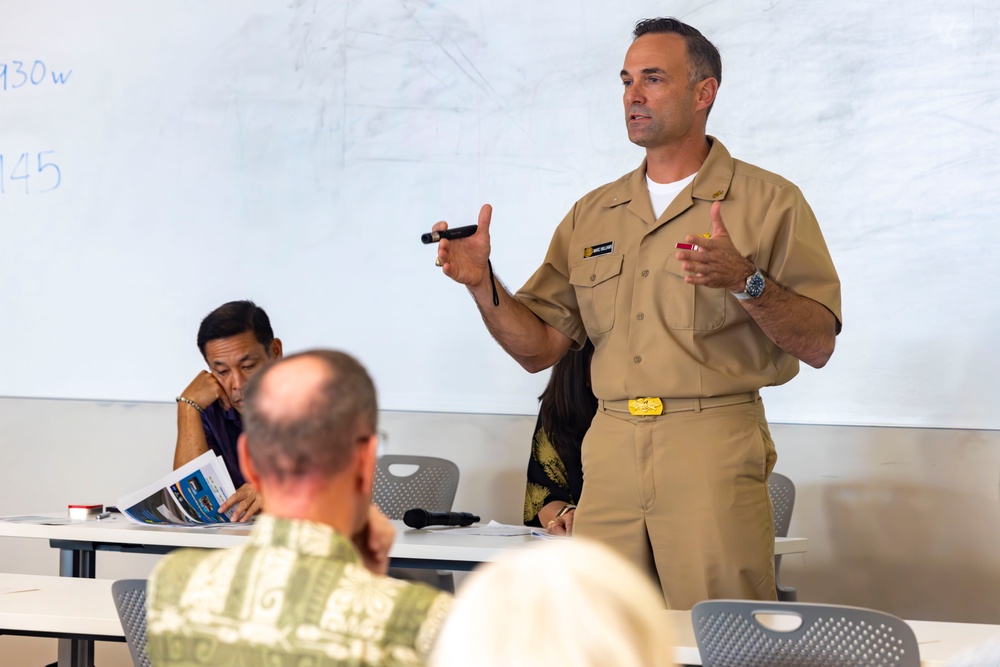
(651, 406)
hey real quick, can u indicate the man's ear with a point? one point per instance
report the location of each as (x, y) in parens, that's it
(276, 348)
(250, 473)
(364, 459)
(707, 90)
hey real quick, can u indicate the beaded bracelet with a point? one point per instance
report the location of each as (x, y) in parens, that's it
(182, 399)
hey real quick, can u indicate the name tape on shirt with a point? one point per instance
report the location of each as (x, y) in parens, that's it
(598, 250)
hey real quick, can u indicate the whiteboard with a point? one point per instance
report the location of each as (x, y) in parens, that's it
(161, 158)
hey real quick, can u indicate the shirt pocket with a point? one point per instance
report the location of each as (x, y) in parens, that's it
(596, 284)
(691, 307)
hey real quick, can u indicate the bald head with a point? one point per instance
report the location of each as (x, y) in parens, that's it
(305, 414)
(292, 389)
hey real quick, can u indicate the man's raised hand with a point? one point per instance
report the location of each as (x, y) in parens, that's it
(466, 260)
(716, 262)
(205, 390)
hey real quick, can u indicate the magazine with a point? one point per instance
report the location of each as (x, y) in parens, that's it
(188, 496)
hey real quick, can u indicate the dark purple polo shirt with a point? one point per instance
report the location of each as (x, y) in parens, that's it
(222, 429)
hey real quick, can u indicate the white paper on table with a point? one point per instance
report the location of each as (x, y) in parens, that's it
(541, 532)
(493, 528)
(41, 520)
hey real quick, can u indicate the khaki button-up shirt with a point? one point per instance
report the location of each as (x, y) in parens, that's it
(610, 274)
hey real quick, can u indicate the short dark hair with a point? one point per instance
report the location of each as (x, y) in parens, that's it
(232, 319)
(321, 438)
(704, 57)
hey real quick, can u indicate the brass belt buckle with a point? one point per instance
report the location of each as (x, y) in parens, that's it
(645, 407)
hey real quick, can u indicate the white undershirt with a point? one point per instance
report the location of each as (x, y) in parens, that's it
(661, 194)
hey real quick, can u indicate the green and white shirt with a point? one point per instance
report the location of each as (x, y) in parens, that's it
(295, 593)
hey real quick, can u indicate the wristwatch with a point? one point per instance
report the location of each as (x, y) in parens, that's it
(754, 288)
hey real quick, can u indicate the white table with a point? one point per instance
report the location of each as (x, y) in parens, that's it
(435, 548)
(79, 541)
(58, 607)
(938, 641)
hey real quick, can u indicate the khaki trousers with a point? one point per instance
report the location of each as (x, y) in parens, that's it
(684, 496)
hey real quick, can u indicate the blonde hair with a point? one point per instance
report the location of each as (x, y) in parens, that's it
(570, 602)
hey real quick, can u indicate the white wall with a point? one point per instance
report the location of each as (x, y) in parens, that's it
(905, 520)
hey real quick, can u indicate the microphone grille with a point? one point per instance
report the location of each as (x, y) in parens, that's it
(415, 518)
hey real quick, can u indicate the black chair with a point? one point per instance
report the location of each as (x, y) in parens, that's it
(783, 500)
(748, 633)
(130, 601)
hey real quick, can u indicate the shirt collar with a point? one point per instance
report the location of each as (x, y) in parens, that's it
(305, 537)
(711, 182)
(716, 174)
(233, 415)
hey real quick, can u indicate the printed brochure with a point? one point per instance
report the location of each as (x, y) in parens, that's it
(190, 495)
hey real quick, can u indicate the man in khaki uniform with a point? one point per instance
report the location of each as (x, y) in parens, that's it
(690, 315)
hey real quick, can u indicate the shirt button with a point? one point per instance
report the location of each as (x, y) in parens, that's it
(645, 272)
(639, 316)
(593, 278)
(637, 359)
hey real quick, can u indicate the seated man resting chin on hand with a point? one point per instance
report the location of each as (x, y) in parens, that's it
(236, 341)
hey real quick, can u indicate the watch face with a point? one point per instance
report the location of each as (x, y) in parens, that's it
(755, 285)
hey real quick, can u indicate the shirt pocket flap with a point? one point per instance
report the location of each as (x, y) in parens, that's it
(595, 271)
(673, 265)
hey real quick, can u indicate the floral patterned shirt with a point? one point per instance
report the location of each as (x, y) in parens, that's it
(295, 593)
(549, 477)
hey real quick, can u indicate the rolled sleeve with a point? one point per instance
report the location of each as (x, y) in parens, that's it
(549, 294)
(797, 255)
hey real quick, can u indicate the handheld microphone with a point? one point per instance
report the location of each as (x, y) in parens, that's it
(418, 518)
(456, 233)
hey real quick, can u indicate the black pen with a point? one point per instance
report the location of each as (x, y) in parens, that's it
(456, 233)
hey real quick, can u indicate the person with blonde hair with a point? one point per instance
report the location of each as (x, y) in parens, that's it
(566, 602)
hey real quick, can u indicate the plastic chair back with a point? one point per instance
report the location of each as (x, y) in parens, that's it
(783, 500)
(782, 492)
(432, 486)
(730, 633)
(130, 601)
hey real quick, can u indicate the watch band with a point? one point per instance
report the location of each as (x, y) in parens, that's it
(755, 285)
